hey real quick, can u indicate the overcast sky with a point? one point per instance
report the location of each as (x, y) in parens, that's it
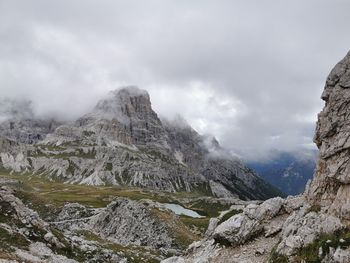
(250, 72)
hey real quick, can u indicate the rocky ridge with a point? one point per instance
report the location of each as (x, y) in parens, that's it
(123, 142)
(312, 227)
(25, 237)
(123, 231)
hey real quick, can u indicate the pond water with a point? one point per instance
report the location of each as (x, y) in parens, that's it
(179, 210)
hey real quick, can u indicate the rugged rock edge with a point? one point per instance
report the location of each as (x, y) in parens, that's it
(281, 230)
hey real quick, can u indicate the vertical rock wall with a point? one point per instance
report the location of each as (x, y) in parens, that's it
(331, 185)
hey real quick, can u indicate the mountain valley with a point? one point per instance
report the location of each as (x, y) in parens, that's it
(288, 171)
(103, 188)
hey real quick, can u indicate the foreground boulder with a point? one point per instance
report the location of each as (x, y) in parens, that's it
(131, 222)
(331, 185)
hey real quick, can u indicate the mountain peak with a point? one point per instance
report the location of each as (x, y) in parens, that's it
(123, 103)
(126, 115)
(129, 92)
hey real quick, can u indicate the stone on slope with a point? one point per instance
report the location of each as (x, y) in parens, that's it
(293, 224)
(131, 222)
(242, 227)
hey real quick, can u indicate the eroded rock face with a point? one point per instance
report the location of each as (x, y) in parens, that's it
(331, 184)
(242, 227)
(287, 226)
(122, 141)
(126, 116)
(130, 222)
(21, 228)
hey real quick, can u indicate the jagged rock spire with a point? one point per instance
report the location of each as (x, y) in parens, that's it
(331, 184)
(126, 115)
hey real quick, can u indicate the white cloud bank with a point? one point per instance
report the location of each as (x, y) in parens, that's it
(250, 72)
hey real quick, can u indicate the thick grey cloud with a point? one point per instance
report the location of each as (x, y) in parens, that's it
(250, 72)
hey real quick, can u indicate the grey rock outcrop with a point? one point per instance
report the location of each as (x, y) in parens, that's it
(242, 227)
(24, 225)
(131, 222)
(331, 185)
(122, 141)
(28, 238)
(285, 227)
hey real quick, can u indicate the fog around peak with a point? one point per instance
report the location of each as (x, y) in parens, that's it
(249, 72)
(15, 109)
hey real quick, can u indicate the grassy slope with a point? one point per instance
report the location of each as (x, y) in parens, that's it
(47, 198)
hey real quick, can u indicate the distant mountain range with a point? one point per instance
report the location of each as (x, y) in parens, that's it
(122, 141)
(288, 171)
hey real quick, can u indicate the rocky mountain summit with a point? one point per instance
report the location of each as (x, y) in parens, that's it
(312, 227)
(118, 184)
(123, 142)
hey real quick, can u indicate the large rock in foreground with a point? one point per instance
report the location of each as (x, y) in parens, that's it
(331, 185)
(131, 222)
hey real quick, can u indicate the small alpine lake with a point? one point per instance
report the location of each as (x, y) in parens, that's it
(179, 210)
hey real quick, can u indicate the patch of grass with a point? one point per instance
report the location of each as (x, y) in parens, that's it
(69, 250)
(203, 189)
(43, 195)
(48, 197)
(50, 147)
(12, 239)
(181, 233)
(6, 212)
(58, 152)
(109, 166)
(196, 224)
(275, 257)
(310, 253)
(314, 208)
(132, 253)
(207, 208)
(228, 215)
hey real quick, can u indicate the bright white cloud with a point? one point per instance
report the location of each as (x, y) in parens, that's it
(250, 72)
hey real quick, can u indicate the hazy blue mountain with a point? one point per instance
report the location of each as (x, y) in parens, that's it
(287, 171)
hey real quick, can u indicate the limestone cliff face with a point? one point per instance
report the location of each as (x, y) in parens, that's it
(331, 184)
(126, 115)
(122, 141)
(296, 229)
(132, 223)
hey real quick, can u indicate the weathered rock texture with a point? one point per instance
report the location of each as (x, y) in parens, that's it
(23, 232)
(123, 142)
(279, 229)
(130, 222)
(331, 185)
(26, 237)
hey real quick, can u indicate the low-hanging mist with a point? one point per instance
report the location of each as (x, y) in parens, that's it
(248, 72)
